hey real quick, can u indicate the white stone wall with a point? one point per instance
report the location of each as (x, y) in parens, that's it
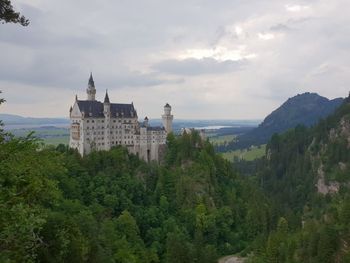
(106, 132)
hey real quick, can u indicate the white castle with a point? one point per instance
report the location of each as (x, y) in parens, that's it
(96, 125)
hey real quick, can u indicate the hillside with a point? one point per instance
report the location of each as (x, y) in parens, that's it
(11, 119)
(305, 109)
(306, 176)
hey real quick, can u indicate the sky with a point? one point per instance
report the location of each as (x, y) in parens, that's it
(209, 59)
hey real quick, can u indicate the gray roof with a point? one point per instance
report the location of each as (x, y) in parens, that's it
(157, 128)
(94, 109)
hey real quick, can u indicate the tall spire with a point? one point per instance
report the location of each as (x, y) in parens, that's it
(106, 98)
(91, 91)
(91, 81)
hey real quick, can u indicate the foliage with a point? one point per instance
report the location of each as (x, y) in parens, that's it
(109, 206)
(8, 15)
(312, 227)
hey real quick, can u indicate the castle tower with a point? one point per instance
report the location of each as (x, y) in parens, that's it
(91, 91)
(107, 114)
(167, 119)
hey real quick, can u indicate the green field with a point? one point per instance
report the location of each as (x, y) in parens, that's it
(52, 135)
(221, 139)
(56, 140)
(246, 154)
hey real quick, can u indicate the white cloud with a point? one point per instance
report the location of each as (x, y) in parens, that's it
(297, 8)
(219, 53)
(266, 36)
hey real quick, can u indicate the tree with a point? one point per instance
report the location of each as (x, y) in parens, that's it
(1, 124)
(9, 15)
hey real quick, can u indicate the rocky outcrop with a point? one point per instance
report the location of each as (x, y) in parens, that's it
(323, 188)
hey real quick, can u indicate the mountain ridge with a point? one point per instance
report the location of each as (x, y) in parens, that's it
(303, 109)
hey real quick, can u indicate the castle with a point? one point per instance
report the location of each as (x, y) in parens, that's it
(96, 125)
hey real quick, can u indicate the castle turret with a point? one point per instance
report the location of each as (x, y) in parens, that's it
(107, 114)
(167, 119)
(91, 91)
(106, 104)
(145, 122)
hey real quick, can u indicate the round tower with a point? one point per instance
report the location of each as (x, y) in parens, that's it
(91, 91)
(167, 119)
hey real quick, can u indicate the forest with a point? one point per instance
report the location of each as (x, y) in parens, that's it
(109, 206)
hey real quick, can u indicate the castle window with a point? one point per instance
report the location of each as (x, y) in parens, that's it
(87, 121)
(92, 121)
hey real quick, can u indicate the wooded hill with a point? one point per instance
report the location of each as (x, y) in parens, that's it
(306, 177)
(304, 109)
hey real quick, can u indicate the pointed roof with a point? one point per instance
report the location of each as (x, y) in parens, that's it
(106, 98)
(167, 105)
(94, 109)
(91, 81)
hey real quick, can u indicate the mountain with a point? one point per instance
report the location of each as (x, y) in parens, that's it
(306, 175)
(11, 119)
(305, 109)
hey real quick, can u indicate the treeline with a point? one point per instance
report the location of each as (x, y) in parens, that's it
(56, 206)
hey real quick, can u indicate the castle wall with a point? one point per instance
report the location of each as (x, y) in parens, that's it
(88, 133)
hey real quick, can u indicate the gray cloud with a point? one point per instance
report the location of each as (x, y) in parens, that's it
(134, 48)
(280, 27)
(199, 66)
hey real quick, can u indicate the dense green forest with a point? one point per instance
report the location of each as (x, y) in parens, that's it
(313, 226)
(109, 206)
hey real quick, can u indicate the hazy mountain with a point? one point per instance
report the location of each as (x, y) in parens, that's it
(11, 119)
(306, 109)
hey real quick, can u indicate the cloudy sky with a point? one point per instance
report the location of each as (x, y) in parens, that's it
(227, 59)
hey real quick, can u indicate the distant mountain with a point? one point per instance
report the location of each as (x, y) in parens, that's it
(306, 109)
(11, 119)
